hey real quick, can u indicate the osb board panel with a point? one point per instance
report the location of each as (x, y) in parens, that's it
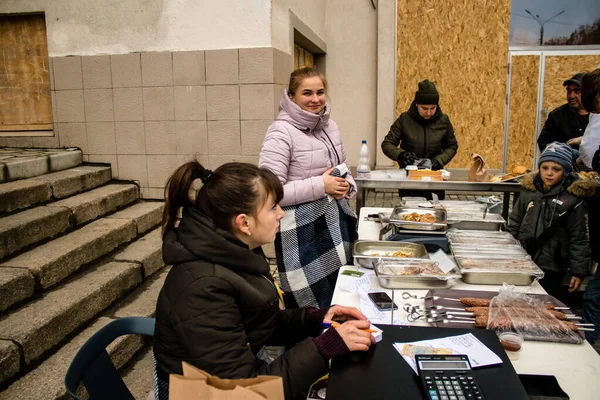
(464, 49)
(523, 108)
(557, 70)
(25, 102)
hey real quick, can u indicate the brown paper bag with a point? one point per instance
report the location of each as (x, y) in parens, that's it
(479, 170)
(196, 384)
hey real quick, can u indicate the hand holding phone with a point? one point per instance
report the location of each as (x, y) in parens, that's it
(382, 301)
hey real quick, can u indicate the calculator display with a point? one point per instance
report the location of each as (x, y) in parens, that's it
(443, 365)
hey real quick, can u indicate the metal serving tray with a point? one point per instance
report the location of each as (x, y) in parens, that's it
(492, 222)
(395, 281)
(497, 278)
(496, 271)
(440, 217)
(367, 252)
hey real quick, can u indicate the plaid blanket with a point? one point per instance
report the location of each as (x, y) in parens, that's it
(315, 239)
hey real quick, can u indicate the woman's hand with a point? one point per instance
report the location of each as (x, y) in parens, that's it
(341, 313)
(354, 335)
(574, 284)
(335, 186)
(575, 141)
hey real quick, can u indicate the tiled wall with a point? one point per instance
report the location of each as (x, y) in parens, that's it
(147, 113)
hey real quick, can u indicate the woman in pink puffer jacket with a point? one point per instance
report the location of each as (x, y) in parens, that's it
(303, 147)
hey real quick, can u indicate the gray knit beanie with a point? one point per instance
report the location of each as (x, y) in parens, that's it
(427, 93)
(560, 153)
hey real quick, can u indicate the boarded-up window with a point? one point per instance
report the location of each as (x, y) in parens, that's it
(25, 102)
(303, 58)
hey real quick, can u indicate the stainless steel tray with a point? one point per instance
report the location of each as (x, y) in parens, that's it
(440, 217)
(491, 222)
(497, 278)
(367, 252)
(395, 281)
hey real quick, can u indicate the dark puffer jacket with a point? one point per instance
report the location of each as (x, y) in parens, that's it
(536, 210)
(219, 307)
(427, 138)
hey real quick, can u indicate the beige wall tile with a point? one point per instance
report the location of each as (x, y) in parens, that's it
(130, 137)
(201, 158)
(256, 101)
(96, 72)
(157, 69)
(190, 103)
(69, 106)
(283, 65)
(106, 159)
(154, 193)
(101, 138)
(256, 65)
(188, 68)
(134, 168)
(217, 160)
(223, 102)
(126, 70)
(224, 137)
(279, 91)
(46, 142)
(160, 167)
(129, 105)
(192, 137)
(159, 104)
(73, 135)
(222, 67)
(98, 105)
(160, 137)
(253, 134)
(67, 73)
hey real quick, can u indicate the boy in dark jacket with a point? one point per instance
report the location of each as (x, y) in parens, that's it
(552, 199)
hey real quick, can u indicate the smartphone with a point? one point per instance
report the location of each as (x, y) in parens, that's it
(382, 301)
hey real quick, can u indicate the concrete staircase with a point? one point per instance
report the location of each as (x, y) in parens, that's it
(76, 251)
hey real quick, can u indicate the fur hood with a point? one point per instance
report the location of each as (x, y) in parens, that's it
(582, 188)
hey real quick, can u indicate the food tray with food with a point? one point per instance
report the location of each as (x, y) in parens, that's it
(480, 298)
(489, 250)
(476, 221)
(493, 271)
(456, 237)
(367, 252)
(413, 274)
(419, 218)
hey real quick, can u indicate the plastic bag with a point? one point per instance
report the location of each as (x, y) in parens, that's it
(423, 163)
(512, 311)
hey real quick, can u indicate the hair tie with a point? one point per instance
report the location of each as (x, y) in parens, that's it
(206, 175)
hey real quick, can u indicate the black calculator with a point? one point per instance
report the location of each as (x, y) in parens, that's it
(448, 377)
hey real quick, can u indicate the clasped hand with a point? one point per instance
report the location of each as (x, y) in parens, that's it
(335, 186)
(352, 330)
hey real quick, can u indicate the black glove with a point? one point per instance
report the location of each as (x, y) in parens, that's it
(436, 164)
(407, 158)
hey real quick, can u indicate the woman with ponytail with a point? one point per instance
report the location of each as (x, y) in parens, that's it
(219, 305)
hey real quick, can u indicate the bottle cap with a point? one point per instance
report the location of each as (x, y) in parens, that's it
(411, 168)
(364, 141)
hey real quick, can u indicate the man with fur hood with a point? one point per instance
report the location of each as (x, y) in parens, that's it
(549, 219)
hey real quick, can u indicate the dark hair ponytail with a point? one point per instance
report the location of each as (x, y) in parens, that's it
(232, 189)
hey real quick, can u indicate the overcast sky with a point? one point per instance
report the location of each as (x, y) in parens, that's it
(526, 31)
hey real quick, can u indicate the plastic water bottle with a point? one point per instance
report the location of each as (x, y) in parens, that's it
(363, 160)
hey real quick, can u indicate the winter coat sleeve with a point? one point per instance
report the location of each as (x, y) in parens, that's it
(516, 217)
(549, 132)
(215, 340)
(275, 155)
(349, 177)
(390, 143)
(579, 251)
(449, 144)
(590, 143)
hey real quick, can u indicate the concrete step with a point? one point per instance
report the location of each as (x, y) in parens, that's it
(90, 205)
(41, 324)
(146, 251)
(26, 163)
(16, 284)
(20, 230)
(138, 374)
(146, 215)
(25, 193)
(51, 262)
(46, 380)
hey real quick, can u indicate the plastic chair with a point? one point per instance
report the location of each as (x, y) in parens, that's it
(92, 364)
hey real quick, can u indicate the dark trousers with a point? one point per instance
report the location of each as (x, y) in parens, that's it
(591, 307)
(422, 193)
(593, 209)
(552, 282)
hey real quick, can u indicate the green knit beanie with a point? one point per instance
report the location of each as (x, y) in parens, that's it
(427, 93)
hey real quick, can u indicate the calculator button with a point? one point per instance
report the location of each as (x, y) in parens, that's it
(469, 378)
(462, 398)
(444, 397)
(479, 397)
(459, 392)
(453, 398)
(453, 378)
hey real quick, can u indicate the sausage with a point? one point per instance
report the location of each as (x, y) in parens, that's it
(522, 311)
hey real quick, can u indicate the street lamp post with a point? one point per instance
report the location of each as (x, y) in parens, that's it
(537, 18)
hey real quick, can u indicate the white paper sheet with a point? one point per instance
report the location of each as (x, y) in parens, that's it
(468, 344)
(445, 263)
